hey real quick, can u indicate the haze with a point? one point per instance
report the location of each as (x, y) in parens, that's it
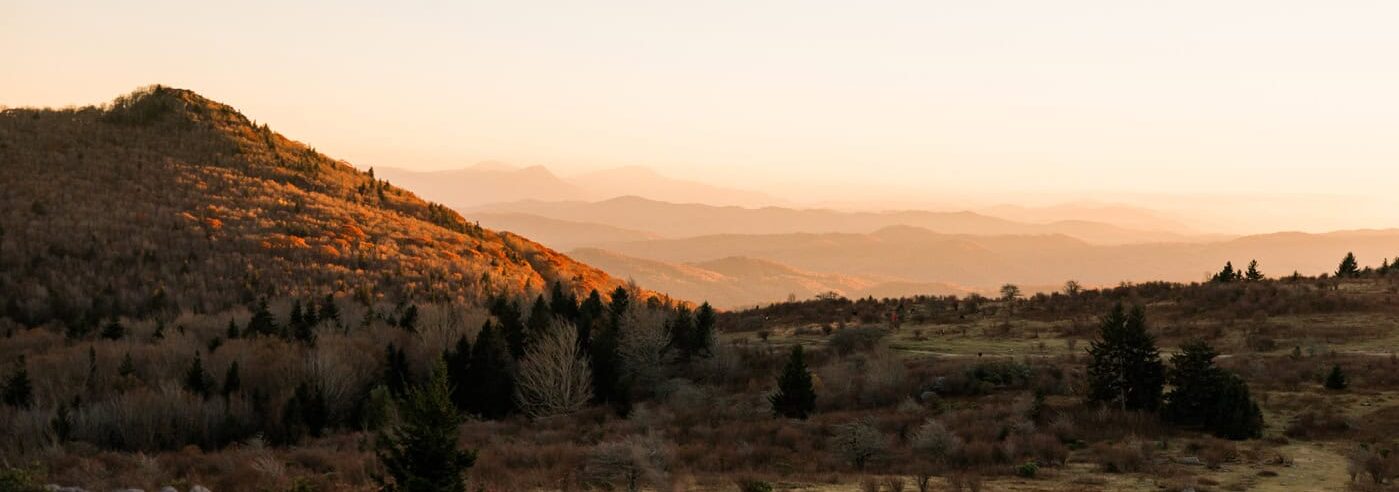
(1244, 116)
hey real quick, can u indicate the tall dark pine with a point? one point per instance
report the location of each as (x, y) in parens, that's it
(1348, 267)
(458, 360)
(1253, 274)
(329, 311)
(198, 381)
(540, 317)
(232, 382)
(795, 397)
(621, 300)
(420, 453)
(1236, 415)
(396, 375)
(590, 315)
(507, 314)
(563, 303)
(491, 376)
(1336, 379)
(409, 319)
(681, 328)
(1227, 274)
(1206, 396)
(262, 322)
(607, 365)
(1126, 367)
(703, 336)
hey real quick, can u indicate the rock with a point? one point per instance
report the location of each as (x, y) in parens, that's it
(1190, 460)
(168, 488)
(198, 488)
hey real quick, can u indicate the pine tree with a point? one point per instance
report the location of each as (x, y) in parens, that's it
(607, 370)
(127, 367)
(703, 336)
(507, 314)
(1336, 380)
(196, 380)
(262, 322)
(295, 319)
(1236, 415)
(563, 303)
(1226, 275)
(540, 317)
(329, 311)
(421, 453)
(1126, 367)
(232, 332)
(396, 376)
(1253, 274)
(232, 382)
(795, 397)
(458, 360)
(491, 376)
(1348, 267)
(681, 328)
(590, 314)
(303, 331)
(621, 300)
(114, 331)
(409, 319)
(19, 391)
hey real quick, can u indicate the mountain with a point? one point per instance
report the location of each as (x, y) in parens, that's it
(487, 182)
(984, 262)
(647, 183)
(494, 182)
(735, 281)
(559, 234)
(1120, 215)
(689, 219)
(167, 201)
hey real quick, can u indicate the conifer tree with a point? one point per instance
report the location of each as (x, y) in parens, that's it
(491, 376)
(458, 360)
(196, 380)
(329, 311)
(507, 315)
(607, 370)
(114, 331)
(795, 397)
(621, 300)
(590, 314)
(1336, 379)
(703, 336)
(1236, 415)
(1348, 267)
(19, 391)
(420, 453)
(1126, 367)
(127, 367)
(232, 382)
(409, 319)
(304, 332)
(1253, 274)
(1209, 397)
(232, 332)
(1227, 274)
(262, 322)
(396, 376)
(540, 318)
(681, 328)
(563, 303)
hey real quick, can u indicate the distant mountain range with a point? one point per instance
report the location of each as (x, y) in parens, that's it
(677, 220)
(494, 182)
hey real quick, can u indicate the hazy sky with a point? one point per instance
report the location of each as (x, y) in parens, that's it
(807, 99)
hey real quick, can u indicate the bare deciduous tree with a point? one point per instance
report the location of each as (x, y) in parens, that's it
(554, 376)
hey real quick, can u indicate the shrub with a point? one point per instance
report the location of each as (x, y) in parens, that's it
(1027, 469)
(633, 461)
(859, 442)
(935, 441)
(753, 485)
(858, 339)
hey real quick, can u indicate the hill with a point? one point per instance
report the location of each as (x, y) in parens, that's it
(166, 201)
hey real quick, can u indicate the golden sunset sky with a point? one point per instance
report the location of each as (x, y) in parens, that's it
(1288, 110)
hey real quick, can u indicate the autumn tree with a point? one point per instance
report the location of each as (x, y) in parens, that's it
(1126, 367)
(554, 376)
(795, 397)
(420, 452)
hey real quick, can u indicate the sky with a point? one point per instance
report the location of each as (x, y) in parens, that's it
(1286, 108)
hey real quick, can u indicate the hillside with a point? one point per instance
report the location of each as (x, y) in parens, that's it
(167, 201)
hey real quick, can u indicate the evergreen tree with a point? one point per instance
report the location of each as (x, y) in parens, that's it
(62, 423)
(507, 315)
(563, 303)
(1236, 415)
(232, 382)
(458, 360)
(409, 319)
(232, 332)
(114, 331)
(1253, 274)
(1348, 267)
(540, 317)
(621, 300)
(396, 374)
(703, 336)
(607, 370)
(681, 328)
(296, 319)
(1206, 396)
(196, 380)
(1227, 274)
(491, 376)
(795, 397)
(329, 311)
(313, 408)
(262, 322)
(127, 367)
(1126, 367)
(19, 391)
(420, 453)
(304, 332)
(1336, 380)
(590, 314)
